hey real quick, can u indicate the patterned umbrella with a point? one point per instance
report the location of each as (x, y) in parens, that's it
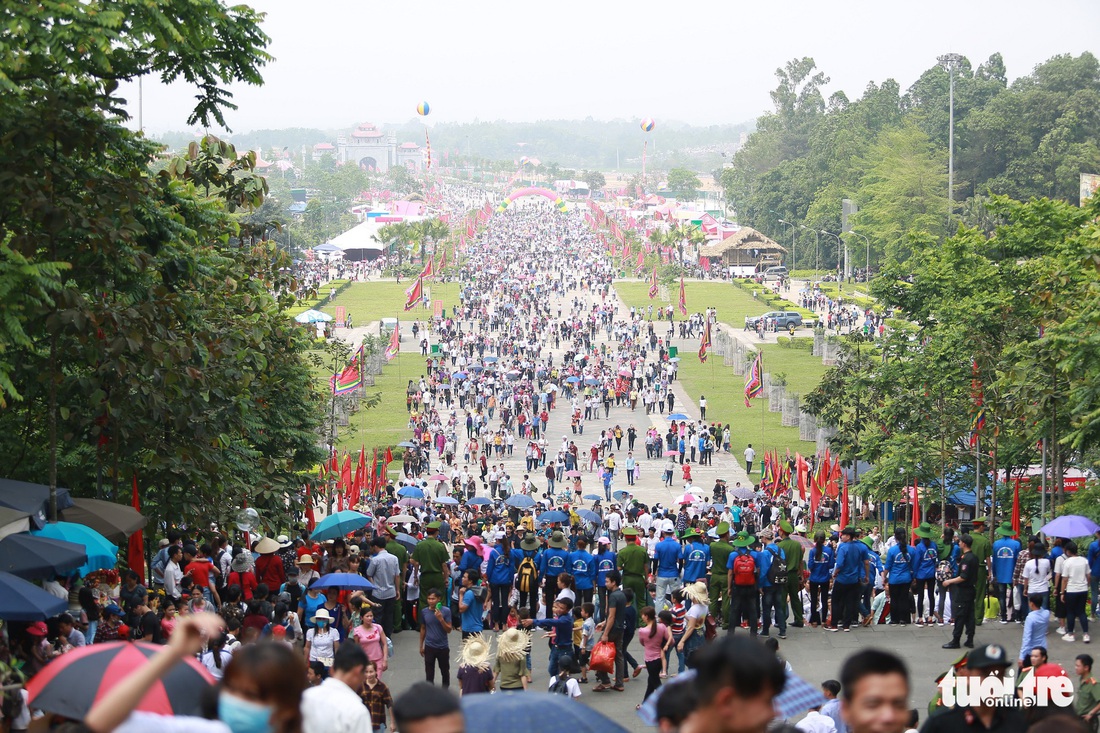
(73, 682)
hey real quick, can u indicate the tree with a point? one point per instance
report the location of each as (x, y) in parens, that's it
(595, 180)
(683, 183)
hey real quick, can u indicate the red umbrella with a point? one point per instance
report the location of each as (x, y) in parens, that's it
(73, 682)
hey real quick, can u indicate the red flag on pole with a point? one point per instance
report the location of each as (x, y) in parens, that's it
(915, 506)
(653, 288)
(135, 551)
(1016, 507)
(844, 511)
(704, 342)
(683, 298)
(394, 346)
(311, 521)
(815, 498)
(414, 294)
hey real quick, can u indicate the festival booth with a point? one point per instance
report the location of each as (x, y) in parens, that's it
(743, 251)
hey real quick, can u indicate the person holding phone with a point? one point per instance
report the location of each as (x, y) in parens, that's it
(435, 647)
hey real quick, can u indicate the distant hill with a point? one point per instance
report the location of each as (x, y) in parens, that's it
(570, 143)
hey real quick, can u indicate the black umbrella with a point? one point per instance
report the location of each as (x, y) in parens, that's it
(113, 521)
(37, 558)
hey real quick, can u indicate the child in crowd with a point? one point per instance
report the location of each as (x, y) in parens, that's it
(563, 683)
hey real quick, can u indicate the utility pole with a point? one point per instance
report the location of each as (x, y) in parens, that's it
(950, 61)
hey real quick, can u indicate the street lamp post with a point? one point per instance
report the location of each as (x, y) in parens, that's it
(867, 267)
(817, 247)
(839, 259)
(950, 61)
(793, 240)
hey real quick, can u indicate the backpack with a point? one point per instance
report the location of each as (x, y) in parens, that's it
(526, 575)
(777, 571)
(943, 571)
(560, 687)
(744, 569)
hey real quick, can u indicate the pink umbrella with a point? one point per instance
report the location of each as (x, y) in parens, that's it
(438, 477)
(573, 474)
(686, 499)
(669, 453)
(410, 502)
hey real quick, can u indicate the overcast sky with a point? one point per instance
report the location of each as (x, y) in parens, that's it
(338, 62)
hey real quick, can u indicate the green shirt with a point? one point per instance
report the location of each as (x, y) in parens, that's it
(719, 554)
(432, 556)
(633, 560)
(1088, 695)
(398, 550)
(793, 551)
(982, 550)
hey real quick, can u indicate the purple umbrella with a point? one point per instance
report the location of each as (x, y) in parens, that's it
(1070, 525)
(411, 502)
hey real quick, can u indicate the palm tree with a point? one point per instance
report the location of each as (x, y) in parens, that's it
(394, 237)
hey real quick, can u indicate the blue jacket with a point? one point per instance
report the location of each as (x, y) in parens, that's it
(696, 557)
(667, 553)
(1094, 559)
(605, 561)
(926, 556)
(501, 571)
(518, 555)
(470, 561)
(899, 565)
(1005, 551)
(562, 627)
(552, 562)
(849, 562)
(820, 564)
(582, 565)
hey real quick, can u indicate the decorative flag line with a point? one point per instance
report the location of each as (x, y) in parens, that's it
(428, 145)
(414, 294)
(653, 289)
(394, 346)
(351, 377)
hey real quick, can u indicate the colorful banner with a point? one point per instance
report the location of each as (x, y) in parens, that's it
(351, 377)
(754, 384)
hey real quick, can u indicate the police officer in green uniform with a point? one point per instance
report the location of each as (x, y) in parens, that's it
(792, 550)
(720, 551)
(430, 557)
(983, 550)
(398, 550)
(633, 562)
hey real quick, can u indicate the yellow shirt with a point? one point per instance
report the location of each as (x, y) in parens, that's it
(528, 523)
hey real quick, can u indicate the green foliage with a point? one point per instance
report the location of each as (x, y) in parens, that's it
(887, 152)
(683, 182)
(594, 179)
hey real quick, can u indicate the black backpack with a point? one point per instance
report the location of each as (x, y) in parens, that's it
(560, 687)
(777, 571)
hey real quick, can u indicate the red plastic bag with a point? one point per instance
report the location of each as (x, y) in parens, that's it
(603, 657)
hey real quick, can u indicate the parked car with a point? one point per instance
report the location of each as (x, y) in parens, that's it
(782, 319)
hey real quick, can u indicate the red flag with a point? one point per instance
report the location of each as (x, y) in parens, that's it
(815, 498)
(395, 343)
(1016, 508)
(360, 477)
(915, 506)
(135, 552)
(653, 289)
(704, 342)
(641, 260)
(414, 294)
(844, 506)
(311, 521)
(683, 298)
(442, 261)
(374, 473)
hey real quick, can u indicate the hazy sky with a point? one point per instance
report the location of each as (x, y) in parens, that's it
(338, 62)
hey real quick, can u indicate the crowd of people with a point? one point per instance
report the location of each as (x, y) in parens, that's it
(510, 584)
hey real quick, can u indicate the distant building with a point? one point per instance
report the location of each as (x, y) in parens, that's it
(371, 149)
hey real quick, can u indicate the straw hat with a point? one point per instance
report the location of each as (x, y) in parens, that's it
(475, 652)
(266, 546)
(697, 593)
(512, 645)
(242, 562)
(306, 560)
(322, 614)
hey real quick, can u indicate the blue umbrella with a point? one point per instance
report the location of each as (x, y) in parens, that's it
(407, 540)
(339, 524)
(491, 360)
(593, 497)
(552, 516)
(344, 581)
(589, 516)
(479, 501)
(678, 416)
(621, 495)
(1070, 525)
(24, 601)
(459, 375)
(520, 501)
(410, 492)
(572, 380)
(477, 369)
(541, 712)
(38, 558)
(591, 381)
(406, 444)
(102, 555)
(447, 501)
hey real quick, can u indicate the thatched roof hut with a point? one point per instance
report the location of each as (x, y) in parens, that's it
(746, 246)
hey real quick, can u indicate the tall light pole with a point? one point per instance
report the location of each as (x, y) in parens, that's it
(950, 61)
(793, 238)
(867, 267)
(817, 247)
(839, 259)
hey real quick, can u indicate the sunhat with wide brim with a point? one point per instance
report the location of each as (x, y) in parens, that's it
(924, 530)
(475, 652)
(743, 539)
(529, 542)
(266, 546)
(241, 563)
(322, 614)
(306, 560)
(1005, 530)
(697, 592)
(512, 645)
(557, 540)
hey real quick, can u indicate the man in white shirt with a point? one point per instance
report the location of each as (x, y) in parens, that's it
(334, 706)
(750, 454)
(645, 521)
(815, 722)
(614, 524)
(172, 572)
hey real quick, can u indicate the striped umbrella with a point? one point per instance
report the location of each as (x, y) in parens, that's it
(73, 682)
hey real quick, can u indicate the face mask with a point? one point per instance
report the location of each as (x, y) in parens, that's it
(322, 624)
(244, 716)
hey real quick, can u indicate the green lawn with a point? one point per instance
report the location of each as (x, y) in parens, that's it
(733, 304)
(372, 301)
(725, 393)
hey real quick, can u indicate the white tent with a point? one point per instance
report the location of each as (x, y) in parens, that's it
(359, 242)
